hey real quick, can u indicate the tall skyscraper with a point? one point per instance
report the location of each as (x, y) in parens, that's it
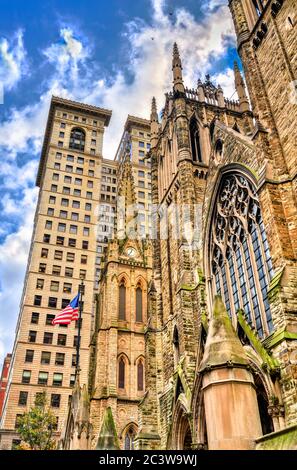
(64, 249)
(136, 136)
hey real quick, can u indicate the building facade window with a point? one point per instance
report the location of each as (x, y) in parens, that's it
(42, 378)
(29, 355)
(23, 397)
(77, 139)
(61, 341)
(60, 359)
(45, 357)
(57, 379)
(240, 260)
(47, 338)
(26, 377)
(55, 400)
(35, 318)
(32, 336)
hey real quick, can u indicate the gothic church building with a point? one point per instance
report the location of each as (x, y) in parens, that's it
(195, 343)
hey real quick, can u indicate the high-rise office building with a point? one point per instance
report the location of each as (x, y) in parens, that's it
(64, 250)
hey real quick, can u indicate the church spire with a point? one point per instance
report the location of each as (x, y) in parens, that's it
(154, 114)
(240, 88)
(127, 207)
(178, 84)
(154, 123)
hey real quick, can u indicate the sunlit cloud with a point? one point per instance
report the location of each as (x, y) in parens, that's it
(13, 64)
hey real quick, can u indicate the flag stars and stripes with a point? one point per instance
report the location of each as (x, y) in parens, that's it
(68, 314)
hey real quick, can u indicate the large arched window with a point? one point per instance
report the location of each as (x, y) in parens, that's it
(139, 304)
(129, 438)
(240, 260)
(121, 373)
(195, 141)
(77, 139)
(122, 300)
(140, 376)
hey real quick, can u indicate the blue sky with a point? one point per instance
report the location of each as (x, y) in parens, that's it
(115, 54)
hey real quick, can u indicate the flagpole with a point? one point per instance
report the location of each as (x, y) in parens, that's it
(81, 290)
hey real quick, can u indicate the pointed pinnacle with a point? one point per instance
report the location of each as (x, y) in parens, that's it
(175, 50)
(154, 113)
(154, 105)
(236, 68)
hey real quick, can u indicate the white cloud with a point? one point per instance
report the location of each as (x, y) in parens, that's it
(67, 54)
(12, 60)
(226, 80)
(13, 261)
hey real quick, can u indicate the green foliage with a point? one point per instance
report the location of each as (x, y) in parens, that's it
(36, 427)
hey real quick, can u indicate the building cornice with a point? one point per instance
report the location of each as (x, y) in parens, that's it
(57, 102)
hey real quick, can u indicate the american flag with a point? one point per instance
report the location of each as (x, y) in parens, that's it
(68, 314)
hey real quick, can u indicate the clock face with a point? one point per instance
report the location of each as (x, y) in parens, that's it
(131, 252)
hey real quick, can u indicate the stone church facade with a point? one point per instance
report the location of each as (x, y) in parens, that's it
(207, 307)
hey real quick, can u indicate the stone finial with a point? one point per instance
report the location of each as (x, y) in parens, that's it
(200, 90)
(220, 96)
(178, 84)
(154, 113)
(241, 90)
(175, 50)
(154, 124)
(223, 346)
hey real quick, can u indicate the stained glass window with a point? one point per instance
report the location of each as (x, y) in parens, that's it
(240, 259)
(129, 439)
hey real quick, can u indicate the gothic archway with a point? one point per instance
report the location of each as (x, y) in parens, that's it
(181, 434)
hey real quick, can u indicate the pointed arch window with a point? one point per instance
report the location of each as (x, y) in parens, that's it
(195, 140)
(139, 317)
(77, 139)
(129, 438)
(240, 260)
(121, 376)
(122, 300)
(140, 376)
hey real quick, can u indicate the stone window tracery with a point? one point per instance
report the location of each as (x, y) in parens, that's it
(240, 260)
(129, 438)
